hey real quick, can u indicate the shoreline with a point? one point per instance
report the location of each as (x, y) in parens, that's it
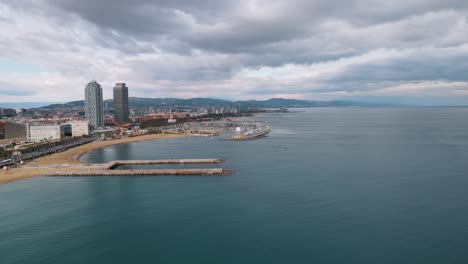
(71, 156)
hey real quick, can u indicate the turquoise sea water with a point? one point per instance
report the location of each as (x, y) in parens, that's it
(327, 186)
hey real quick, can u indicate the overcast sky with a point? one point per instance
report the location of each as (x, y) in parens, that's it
(400, 51)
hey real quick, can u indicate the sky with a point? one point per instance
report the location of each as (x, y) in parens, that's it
(399, 51)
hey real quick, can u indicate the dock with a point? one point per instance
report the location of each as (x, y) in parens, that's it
(147, 172)
(113, 164)
(108, 169)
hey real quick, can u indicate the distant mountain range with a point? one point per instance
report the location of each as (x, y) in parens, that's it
(209, 102)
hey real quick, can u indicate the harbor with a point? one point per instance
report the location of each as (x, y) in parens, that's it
(253, 131)
(65, 162)
(230, 130)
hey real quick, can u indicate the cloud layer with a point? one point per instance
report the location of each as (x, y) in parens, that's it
(393, 51)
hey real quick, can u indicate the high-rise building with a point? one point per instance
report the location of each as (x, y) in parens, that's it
(121, 112)
(94, 104)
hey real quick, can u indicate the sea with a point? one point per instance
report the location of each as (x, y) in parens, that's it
(328, 185)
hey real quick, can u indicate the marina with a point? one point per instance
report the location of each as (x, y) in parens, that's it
(232, 130)
(254, 131)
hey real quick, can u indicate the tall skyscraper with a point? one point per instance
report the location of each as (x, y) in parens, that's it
(121, 112)
(93, 104)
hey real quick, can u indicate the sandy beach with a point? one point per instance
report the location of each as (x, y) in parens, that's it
(70, 156)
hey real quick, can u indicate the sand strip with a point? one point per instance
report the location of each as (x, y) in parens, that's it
(70, 156)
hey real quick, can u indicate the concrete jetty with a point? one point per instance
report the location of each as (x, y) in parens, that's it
(116, 163)
(108, 169)
(148, 172)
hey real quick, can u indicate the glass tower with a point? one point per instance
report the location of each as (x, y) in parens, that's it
(94, 105)
(121, 112)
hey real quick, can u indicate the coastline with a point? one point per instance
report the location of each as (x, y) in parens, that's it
(70, 157)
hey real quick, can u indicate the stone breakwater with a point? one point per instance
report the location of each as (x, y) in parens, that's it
(147, 172)
(109, 169)
(114, 164)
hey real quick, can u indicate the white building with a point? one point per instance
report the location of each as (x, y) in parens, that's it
(38, 132)
(79, 128)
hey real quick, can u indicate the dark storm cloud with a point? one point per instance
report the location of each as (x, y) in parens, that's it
(241, 32)
(140, 16)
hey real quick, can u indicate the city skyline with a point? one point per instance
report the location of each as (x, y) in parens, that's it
(411, 53)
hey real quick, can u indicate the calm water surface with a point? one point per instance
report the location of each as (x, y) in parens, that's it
(327, 186)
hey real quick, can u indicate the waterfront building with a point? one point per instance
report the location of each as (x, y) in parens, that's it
(121, 112)
(39, 132)
(94, 104)
(77, 128)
